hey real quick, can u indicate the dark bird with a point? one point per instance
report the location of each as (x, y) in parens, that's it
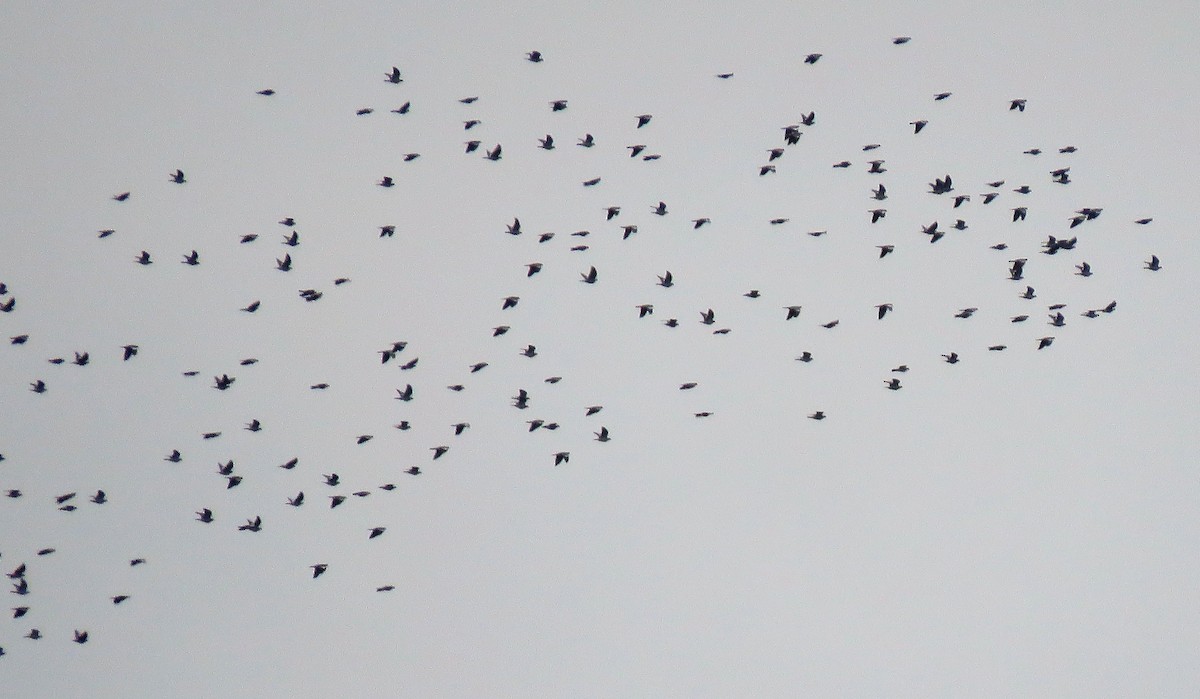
(1033, 151)
(406, 394)
(561, 457)
(34, 634)
(671, 322)
(234, 481)
(364, 111)
(941, 185)
(285, 264)
(627, 231)
(319, 569)
(879, 193)
(547, 143)
(1019, 319)
(529, 351)
(393, 76)
(1017, 270)
(812, 58)
(558, 105)
(81, 637)
(724, 76)
(941, 96)
(792, 312)
(660, 210)
(876, 167)
(893, 384)
(1028, 293)
(589, 277)
(143, 259)
(460, 427)
(645, 309)
(1044, 342)
(174, 457)
(830, 325)
(1067, 149)
(666, 280)
(472, 146)
(774, 154)
(1143, 221)
(635, 150)
(205, 516)
(1018, 214)
(493, 154)
(885, 250)
(1112, 306)
(331, 479)
(376, 532)
(251, 525)
(1085, 270)
(510, 302)
(883, 308)
(469, 100)
(521, 400)
(1153, 265)
(819, 415)
(966, 313)
(402, 109)
(764, 169)
(439, 451)
(335, 500)
(223, 382)
(877, 214)
(707, 317)
(296, 501)
(592, 182)
(364, 438)
(805, 357)
(901, 40)
(1018, 105)
(918, 125)
(177, 177)
(266, 93)
(1058, 319)
(602, 435)
(121, 197)
(226, 468)
(587, 141)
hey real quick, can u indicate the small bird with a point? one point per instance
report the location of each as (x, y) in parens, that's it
(645, 309)
(81, 637)
(439, 451)
(558, 105)
(376, 532)
(493, 154)
(830, 325)
(885, 250)
(602, 435)
(941, 96)
(402, 109)
(1018, 214)
(901, 40)
(174, 457)
(123, 196)
(318, 569)
(589, 277)
(661, 209)
(883, 308)
(1085, 270)
(918, 125)
(561, 457)
(893, 384)
(951, 358)
(234, 481)
(792, 312)
(1153, 265)
(177, 177)
(266, 93)
(812, 58)
(117, 599)
(393, 76)
(143, 259)
(805, 357)
(592, 182)
(364, 111)
(1018, 104)
(529, 351)
(251, 525)
(966, 313)
(510, 302)
(587, 141)
(724, 76)
(819, 415)
(707, 317)
(364, 438)
(547, 143)
(296, 501)
(205, 516)
(1044, 342)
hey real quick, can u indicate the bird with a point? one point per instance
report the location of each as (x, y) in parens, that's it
(602, 435)
(143, 259)
(177, 177)
(764, 169)
(266, 93)
(707, 317)
(100, 497)
(1017, 270)
(951, 358)
(830, 325)
(1018, 214)
(81, 637)
(393, 76)
(285, 264)
(402, 109)
(812, 58)
(547, 143)
(117, 599)
(901, 40)
(635, 150)
(174, 457)
(724, 76)
(666, 280)
(966, 313)
(1153, 265)
(1017, 104)
(941, 96)
(1044, 342)
(818, 415)
(376, 532)
(587, 141)
(792, 312)
(918, 125)
(643, 119)
(561, 457)
(439, 451)
(592, 182)
(123, 196)
(883, 309)
(529, 351)
(509, 302)
(589, 277)
(296, 501)
(661, 209)
(331, 479)
(1085, 270)
(318, 569)
(251, 525)
(205, 515)
(364, 111)
(885, 250)
(893, 384)
(645, 309)
(688, 385)
(558, 105)
(493, 154)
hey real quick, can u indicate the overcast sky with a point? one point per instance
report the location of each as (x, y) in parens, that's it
(1022, 522)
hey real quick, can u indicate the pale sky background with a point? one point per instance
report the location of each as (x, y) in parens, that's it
(1022, 523)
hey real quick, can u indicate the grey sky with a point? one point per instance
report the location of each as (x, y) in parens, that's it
(1020, 523)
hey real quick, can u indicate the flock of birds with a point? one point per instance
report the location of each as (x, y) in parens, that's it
(23, 575)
